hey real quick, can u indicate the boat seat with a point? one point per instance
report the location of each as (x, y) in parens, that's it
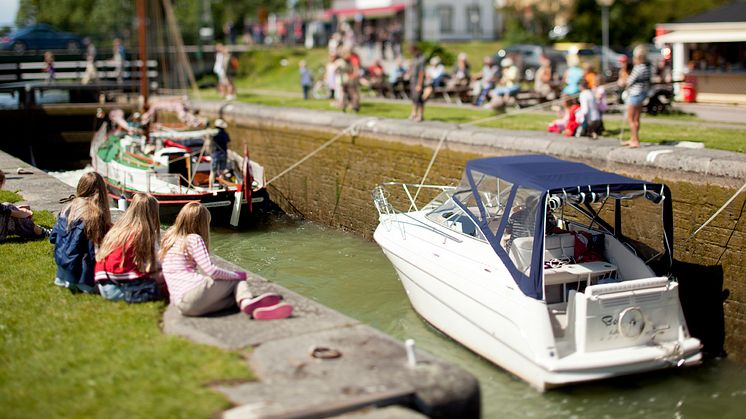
(556, 246)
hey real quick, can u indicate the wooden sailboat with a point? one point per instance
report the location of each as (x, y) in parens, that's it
(170, 161)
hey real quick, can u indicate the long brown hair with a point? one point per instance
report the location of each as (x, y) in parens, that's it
(91, 204)
(192, 219)
(138, 229)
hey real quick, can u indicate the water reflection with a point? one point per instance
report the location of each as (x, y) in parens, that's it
(353, 276)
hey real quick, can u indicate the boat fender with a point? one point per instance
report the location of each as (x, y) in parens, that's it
(122, 203)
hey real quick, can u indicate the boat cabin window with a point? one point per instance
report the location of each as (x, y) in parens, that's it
(518, 238)
(452, 216)
(493, 196)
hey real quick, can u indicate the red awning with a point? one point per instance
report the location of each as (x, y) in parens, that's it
(372, 12)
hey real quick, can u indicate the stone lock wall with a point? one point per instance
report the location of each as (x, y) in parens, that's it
(334, 188)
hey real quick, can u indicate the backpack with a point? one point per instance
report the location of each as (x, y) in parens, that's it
(234, 63)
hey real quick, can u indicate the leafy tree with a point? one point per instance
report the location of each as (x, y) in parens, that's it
(631, 21)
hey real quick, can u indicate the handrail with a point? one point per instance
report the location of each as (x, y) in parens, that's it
(384, 207)
(409, 195)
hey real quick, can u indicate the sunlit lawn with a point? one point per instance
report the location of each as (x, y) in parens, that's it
(65, 355)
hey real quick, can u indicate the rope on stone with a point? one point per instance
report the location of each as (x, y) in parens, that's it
(351, 129)
(429, 166)
(728, 202)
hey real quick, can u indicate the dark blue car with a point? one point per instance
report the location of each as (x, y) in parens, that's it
(40, 37)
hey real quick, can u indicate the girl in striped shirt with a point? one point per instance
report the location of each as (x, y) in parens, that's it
(184, 249)
(638, 84)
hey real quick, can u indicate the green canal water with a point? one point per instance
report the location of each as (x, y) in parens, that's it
(353, 276)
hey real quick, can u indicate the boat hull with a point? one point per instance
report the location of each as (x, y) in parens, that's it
(490, 322)
(220, 202)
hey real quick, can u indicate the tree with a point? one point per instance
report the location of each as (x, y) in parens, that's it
(631, 21)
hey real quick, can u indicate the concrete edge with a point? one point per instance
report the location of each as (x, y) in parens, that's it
(717, 163)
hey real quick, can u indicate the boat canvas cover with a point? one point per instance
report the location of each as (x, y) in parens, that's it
(546, 175)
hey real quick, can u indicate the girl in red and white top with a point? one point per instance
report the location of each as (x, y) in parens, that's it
(128, 255)
(184, 250)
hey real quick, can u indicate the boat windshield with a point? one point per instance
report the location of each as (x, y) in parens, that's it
(452, 216)
(487, 200)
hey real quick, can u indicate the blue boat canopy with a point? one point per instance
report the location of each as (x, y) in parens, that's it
(546, 173)
(509, 199)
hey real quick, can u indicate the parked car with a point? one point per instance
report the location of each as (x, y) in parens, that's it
(589, 53)
(40, 37)
(527, 58)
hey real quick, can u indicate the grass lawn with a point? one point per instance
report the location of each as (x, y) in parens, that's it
(66, 355)
(715, 138)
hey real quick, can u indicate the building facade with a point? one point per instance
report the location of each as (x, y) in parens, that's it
(441, 20)
(448, 20)
(711, 47)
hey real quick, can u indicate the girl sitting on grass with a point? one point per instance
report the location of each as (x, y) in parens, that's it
(79, 231)
(18, 220)
(128, 258)
(184, 249)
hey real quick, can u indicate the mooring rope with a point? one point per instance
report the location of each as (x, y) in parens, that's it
(339, 135)
(429, 166)
(728, 202)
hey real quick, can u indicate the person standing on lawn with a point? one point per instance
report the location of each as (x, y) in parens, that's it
(184, 250)
(306, 80)
(417, 84)
(638, 84)
(18, 220)
(79, 231)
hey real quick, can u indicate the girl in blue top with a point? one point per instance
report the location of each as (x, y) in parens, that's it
(79, 231)
(573, 76)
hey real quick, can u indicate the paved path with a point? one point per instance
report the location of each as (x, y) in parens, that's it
(40, 190)
(716, 113)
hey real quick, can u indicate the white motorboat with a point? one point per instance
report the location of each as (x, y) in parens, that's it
(525, 264)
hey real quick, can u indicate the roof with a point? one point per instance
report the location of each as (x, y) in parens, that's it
(733, 12)
(547, 173)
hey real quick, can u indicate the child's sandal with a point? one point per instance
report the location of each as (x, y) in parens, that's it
(277, 311)
(264, 300)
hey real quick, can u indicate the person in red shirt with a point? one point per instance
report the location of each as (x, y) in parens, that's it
(128, 255)
(352, 87)
(377, 78)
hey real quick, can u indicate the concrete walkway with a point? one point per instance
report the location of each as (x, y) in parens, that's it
(40, 190)
(715, 113)
(370, 372)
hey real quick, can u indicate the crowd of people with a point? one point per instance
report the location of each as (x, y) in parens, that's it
(579, 89)
(127, 260)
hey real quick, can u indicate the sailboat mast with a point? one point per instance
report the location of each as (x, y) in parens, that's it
(142, 36)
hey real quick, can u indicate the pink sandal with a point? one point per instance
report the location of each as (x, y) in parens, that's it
(277, 311)
(264, 300)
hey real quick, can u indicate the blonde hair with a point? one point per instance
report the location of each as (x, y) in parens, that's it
(91, 204)
(192, 219)
(640, 54)
(139, 229)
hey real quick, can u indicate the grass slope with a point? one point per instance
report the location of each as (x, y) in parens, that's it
(65, 355)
